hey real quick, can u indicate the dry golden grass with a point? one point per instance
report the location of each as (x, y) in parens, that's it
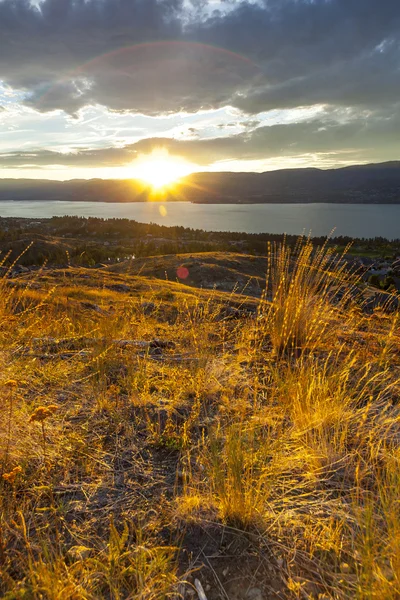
(145, 433)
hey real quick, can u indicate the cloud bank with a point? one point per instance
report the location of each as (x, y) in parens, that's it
(358, 136)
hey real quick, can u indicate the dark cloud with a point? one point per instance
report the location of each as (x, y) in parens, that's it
(343, 52)
(67, 54)
(374, 138)
(369, 80)
(277, 53)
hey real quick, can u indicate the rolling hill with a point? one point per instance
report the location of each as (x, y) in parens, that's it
(361, 184)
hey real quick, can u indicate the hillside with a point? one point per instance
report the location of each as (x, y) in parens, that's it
(375, 183)
(159, 437)
(225, 271)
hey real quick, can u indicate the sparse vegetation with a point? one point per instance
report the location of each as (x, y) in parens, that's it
(152, 433)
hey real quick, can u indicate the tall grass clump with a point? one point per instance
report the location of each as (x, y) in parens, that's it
(306, 288)
(375, 528)
(237, 474)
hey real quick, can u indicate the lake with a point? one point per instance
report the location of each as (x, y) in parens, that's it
(355, 220)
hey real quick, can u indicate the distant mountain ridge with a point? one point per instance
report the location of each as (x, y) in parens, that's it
(361, 184)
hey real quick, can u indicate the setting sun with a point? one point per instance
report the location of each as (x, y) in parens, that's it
(160, 169)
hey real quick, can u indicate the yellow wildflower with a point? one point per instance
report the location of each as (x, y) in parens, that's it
(10, 477)
(42, 412)
(11, 383)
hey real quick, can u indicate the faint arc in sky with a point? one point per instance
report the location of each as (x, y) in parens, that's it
(126, 54)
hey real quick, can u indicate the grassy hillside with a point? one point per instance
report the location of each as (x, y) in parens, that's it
(159, 438)
(226, 271)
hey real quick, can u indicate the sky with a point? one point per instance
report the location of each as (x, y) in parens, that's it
(93, 88)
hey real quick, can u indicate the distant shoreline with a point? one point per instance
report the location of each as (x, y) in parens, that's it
(219, 203)
(354, 221)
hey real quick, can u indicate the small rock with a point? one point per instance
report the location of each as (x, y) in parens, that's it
(22, 269)
(119, 287)
(128, 343)
(161, 344)
(254, 594)
(91, 306)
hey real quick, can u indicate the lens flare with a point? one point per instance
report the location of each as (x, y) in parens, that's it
(182, 272)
